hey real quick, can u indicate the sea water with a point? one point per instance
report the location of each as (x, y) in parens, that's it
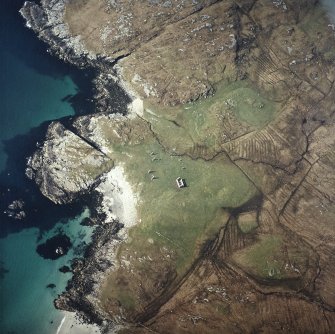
(32, 88)
(26, 300)
(35, 88)
(330, 8)
(29, 98)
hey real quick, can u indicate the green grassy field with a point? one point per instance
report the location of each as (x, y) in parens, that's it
(182, 215)
(175, 223)
(201, 121)
(273, 257)
(261, 259)
(247, 222)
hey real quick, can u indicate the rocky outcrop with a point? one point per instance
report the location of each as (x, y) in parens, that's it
(47, 21)
(89, 273)
(16, 210)
(55, 165)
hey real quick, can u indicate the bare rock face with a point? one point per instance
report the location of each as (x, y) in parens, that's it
(46, 20)
(55, 166)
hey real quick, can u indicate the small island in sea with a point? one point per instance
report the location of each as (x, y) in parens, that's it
(209, 170)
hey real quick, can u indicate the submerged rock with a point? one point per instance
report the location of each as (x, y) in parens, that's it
(55, 247)
(15, 205)
(15, 210)
(65, 269)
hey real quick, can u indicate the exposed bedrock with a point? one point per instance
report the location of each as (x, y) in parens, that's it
(66, 165)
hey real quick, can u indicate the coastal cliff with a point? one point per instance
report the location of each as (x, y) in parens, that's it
(54, 167)
(235, 97)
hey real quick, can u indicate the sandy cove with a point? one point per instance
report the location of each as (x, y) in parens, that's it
(118, 198)
(71, 324)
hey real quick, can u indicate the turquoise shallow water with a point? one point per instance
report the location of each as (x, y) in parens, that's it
(26, 302)
(35, 88)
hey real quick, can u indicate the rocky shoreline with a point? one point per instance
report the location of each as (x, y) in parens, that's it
(46, 20)
(110, 96)
(80, 297)
(288, 158)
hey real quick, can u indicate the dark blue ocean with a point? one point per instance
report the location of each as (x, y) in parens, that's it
(35, 88)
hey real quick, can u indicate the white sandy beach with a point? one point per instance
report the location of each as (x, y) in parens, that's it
(135, 108)
(71, 325)
(119, 200)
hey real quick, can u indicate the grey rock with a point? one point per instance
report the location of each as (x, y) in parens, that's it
(66, 165)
